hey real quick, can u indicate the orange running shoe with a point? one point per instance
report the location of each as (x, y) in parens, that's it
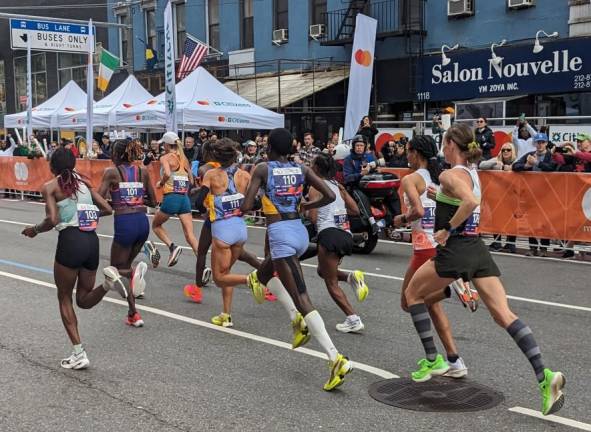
(193, 292)
(134, 320)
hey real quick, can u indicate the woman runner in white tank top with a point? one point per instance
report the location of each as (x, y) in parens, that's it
(335, 241)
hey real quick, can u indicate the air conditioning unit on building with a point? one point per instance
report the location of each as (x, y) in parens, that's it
(317, 31)
(457, 8)
(516, 4)
(280, 36)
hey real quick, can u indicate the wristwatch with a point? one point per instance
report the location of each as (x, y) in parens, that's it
(447, 227)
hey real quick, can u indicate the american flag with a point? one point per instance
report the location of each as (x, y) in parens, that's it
(193, 52)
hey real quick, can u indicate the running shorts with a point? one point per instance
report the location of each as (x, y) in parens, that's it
(465, 257)
(231, 231)
(337, 241)
(420, 257)
(131, 229)
(175, 204)
(287, 238)
(77, 249)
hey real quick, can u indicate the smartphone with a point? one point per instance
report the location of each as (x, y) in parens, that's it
(522, 117)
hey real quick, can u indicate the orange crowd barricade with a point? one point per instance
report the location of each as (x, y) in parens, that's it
(543, 205)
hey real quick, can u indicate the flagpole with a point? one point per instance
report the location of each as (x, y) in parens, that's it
(29, 94)
(89, 89)
(169, 72)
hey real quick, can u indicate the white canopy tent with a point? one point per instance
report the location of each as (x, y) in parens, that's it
(129, 93)
(202, 101)
(45, 116)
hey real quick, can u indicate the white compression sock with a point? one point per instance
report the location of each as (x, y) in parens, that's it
(277, 288)
(78, 349)
(316, 327)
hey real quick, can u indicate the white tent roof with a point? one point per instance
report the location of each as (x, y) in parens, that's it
(70, 98)
(202, 101)
(129, 93)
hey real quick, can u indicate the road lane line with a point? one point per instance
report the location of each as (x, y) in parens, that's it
(552, 418)
(356, 365)
(376, 275)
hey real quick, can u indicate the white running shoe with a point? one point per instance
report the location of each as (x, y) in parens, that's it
(458, 369)
(76, 361)
(206, 278)
(113, 280)
(350, 326)
(138, 282)
(152, 253)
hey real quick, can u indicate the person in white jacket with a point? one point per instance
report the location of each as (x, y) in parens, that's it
(523, 138)
(7, 147)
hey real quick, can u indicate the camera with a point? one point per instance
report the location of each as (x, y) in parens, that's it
(377, 163)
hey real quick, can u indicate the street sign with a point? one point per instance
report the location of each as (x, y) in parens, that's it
(49, 36)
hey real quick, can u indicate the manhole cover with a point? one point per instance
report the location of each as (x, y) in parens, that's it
(438, 394)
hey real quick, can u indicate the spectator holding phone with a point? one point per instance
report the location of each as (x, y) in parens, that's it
(574, 159)
(523, 137)
(485, 137)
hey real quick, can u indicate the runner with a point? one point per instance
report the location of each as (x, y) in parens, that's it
(283, 183)
(176, 179)
(461, 253)
(128, 184)
(73, 209)
(222, 190)
(422, 157)
(203, 273)
(335, 241)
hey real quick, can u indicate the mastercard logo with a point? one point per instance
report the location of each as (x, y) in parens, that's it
(363, 57)
(138, 117)
(152, 101)
(203, 102)
(221, 119)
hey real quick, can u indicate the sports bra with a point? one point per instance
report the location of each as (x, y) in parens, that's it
(129, 192)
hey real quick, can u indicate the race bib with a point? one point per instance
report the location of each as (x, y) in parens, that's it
(132, 193)
(180, 184)
(288, 181)
(231, 204)
(472, 224)
(341, 220)
(88, 215)
(428, 219)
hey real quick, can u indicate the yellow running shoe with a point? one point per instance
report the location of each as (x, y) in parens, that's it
(301, 335)
(357, 282)
(258, 290)
(222, 320)
(338, 369)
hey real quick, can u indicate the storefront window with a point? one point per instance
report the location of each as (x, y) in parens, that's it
(181, 29)
(38, 79)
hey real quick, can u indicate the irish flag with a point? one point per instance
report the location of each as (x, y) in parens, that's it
(108, 65)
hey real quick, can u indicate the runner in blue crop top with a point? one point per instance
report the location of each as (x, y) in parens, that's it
(283, 183)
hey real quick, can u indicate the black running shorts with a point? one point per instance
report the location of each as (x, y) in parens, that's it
(77, 249)
(337, 241)
(465, 257)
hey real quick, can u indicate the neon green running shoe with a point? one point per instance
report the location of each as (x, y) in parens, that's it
(551, 389)
(301, 335)
(338, 369)
(358, 284)
(428, 369)
(258, 291)
(223, 320)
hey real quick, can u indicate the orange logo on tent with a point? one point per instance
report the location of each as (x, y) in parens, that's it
(363, 57)
(69, 109)
(152, 101)
(221, 119)
(138, 117)
(203, 102)
(126, 105)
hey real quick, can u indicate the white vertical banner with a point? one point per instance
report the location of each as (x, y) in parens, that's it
(29, 94)
(169, 73)
(89, 88)
(361, 73)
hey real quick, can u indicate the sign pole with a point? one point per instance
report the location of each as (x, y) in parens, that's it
(29, 94)
(89, 89)
(169, 73)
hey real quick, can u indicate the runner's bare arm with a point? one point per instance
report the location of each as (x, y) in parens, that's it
(327, 195)
(456, 185)
(313, 194)
(350, 204)
(256, 181)
(51, 212)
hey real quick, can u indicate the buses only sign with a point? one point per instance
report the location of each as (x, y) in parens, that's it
(49, 36)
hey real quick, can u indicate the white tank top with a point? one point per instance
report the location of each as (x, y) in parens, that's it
(422, 229)
(333, 215)
(78, 212)
(473, 222)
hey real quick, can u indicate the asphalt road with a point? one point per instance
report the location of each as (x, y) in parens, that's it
(179, 373)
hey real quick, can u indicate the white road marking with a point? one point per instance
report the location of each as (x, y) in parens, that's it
(361, 366)
(552, 418)
(356, 365)
(377, 275)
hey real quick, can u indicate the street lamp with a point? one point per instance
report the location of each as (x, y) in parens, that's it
(495, 58)
(538, 47)
(445, 59)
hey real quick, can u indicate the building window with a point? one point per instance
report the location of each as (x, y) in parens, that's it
(72, 67)
(280, 17)
(151, 29)
(38, 79)
(317, 12)
(123, 38)
(213, 15)
(246, 24)
(2, 89)
(181, 29)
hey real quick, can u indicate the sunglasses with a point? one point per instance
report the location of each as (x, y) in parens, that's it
(480, 121)
(506, 150)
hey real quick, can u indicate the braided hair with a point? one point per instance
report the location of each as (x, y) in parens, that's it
(224, 151)
(62, 164)
(126, 151)
(426, 147)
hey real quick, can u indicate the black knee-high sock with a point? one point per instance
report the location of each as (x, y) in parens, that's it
(422, 322)
(523, 337)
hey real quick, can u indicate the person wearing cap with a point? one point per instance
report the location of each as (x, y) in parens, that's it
(249, 155)
(175, 182)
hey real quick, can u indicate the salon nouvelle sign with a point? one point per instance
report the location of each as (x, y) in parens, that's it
(562, 66)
